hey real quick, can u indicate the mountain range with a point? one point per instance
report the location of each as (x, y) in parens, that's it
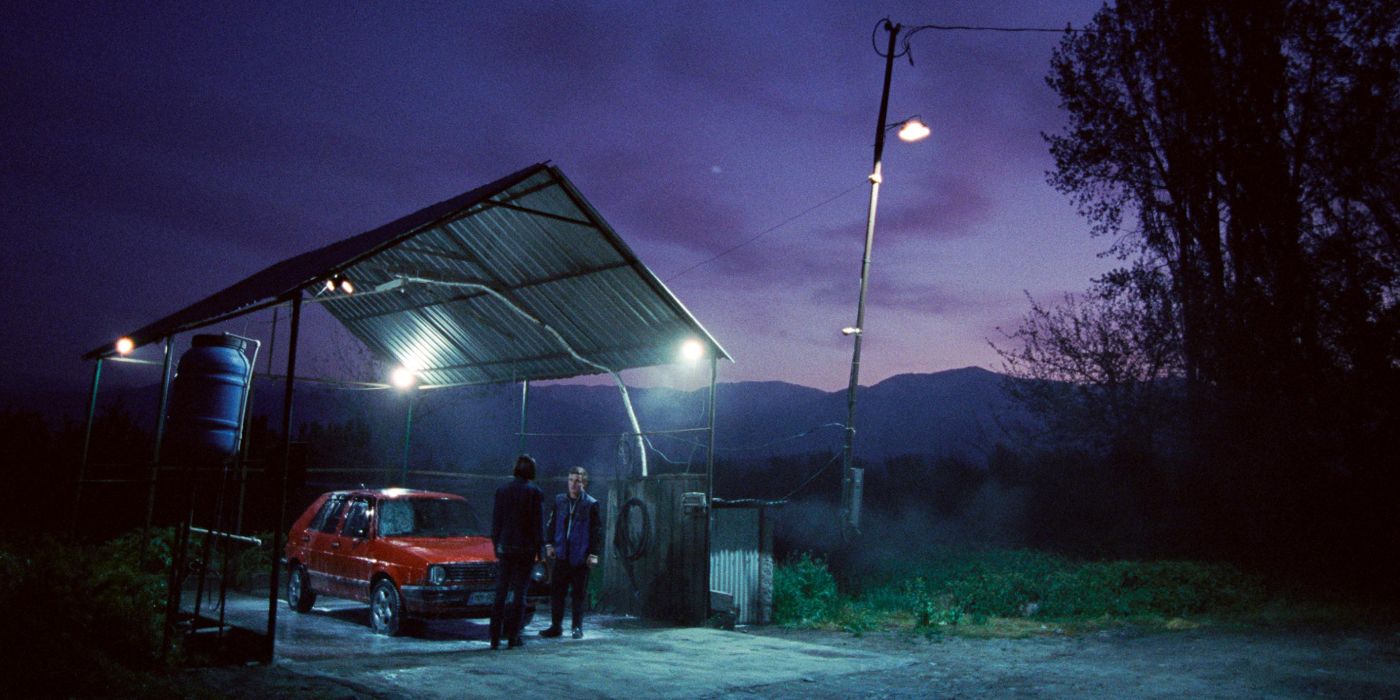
(951, 413)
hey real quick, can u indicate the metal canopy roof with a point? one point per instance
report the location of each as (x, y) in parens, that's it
(519, 279)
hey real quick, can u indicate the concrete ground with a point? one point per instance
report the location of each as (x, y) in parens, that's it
(331, 653)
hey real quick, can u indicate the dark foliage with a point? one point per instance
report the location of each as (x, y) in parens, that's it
(1242, 157)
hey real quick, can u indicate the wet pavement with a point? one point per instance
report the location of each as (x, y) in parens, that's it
(618, 656)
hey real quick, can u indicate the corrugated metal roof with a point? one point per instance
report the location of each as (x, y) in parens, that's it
(518, 279)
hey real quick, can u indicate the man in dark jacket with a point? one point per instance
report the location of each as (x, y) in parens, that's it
(574, 538)
(515, 531)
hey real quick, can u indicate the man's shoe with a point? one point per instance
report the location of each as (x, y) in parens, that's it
(495, 644)
(578, 633)
(551, 632)
(517, 642)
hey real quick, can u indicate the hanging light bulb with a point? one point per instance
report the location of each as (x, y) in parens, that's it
(402, 377)
(692, 350)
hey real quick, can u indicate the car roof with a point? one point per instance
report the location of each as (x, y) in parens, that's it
(390, 493)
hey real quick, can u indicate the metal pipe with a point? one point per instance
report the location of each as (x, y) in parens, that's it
(710, 482)
(87, 443)
(281, 528)
(240, 450)
(255, 541)
(850, 511)
(524, 399)
(407, 433)
(155, 453)
(626, 398)
(710, 459)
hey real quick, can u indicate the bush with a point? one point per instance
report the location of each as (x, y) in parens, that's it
(804, 592)
(963, 588)
(79, 608)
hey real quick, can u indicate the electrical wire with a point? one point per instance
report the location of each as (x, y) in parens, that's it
(813, 476)
(767, 231)
(905, 47)
(765, 445)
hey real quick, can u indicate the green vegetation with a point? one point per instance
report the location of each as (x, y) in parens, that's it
(87, 619)
(1016, 592)
(804, 592)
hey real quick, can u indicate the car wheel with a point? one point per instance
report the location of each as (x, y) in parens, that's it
(385, 608)
(299, 593)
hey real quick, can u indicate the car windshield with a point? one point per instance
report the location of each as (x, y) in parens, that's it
(427, 517)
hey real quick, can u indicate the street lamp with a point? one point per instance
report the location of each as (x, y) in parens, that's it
(909, 130)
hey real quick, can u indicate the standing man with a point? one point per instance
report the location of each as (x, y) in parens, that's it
(515, 532)
(574, 534)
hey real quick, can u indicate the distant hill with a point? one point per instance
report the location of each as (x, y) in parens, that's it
(955, 412)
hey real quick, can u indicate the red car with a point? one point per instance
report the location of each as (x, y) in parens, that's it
(409, 554)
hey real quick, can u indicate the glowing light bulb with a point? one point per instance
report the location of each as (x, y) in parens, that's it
(913, 130)
(125, 346)
(692, 350)
(402, 377)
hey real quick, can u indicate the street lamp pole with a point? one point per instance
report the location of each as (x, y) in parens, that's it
(852, 477)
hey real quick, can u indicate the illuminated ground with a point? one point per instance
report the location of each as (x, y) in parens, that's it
(332, 653)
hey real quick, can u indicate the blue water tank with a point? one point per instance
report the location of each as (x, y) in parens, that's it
(206, 399)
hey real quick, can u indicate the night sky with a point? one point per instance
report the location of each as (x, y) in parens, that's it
(155, 153)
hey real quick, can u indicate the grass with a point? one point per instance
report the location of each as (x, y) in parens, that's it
(1020, 593)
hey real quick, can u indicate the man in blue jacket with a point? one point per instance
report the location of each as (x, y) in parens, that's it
(574, 538)
(515, 532)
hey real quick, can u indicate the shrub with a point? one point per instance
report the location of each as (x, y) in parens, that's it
(970, 587)
(804, 592)
(78, 607)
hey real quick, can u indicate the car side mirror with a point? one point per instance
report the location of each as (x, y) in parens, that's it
(359, 533)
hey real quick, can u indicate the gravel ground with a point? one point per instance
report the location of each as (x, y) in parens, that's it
(1124, 662)
(1127, 662)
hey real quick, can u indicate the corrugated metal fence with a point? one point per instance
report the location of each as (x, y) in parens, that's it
(741, 560)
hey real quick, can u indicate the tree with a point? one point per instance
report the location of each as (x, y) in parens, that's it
(1247, 152)
(1099, 370)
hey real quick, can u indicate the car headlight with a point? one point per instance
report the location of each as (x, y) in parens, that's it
(437, 575)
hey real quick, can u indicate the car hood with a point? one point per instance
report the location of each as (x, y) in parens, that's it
(445, 549)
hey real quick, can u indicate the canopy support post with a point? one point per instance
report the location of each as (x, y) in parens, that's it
(281, 529)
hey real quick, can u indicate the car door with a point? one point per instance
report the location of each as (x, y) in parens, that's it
(349, 562)
(319, 539)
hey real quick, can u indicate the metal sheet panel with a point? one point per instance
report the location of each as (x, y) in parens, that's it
(736, 560)
(516, 280)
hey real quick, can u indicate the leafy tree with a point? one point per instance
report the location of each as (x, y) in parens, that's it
(1245, 156)
(1097, 370)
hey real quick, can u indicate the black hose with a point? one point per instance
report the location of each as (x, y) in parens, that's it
(627, 547)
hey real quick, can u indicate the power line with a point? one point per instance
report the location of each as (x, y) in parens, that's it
(906, 49)
(766, 231)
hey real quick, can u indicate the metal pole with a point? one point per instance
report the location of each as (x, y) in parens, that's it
(407, 436)
(281, 528)
(524, 399)
(710, 483)
(850, 511)
(155, 456)
(710, 459)
(87, 442)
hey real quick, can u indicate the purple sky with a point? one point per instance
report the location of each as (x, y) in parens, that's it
(156, 153)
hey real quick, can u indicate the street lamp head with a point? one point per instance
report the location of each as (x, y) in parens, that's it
(913, 130)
